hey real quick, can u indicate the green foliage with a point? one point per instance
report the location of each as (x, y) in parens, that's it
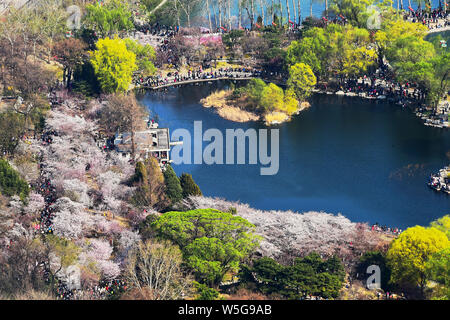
(190, 188)
(184, 227)
(374, 258)
(438, 270)
(213, 242)
(410, 49)
(65, 249)
(109, 19)
(85, 81)
(10, 181)
(414, 59)
(140, 173)
(340, 50)
(301, 79)
(417, 60)
(150, 186)
(393, 29)
(272, 98)
(12, 128)
(205, 293)
(442, 224)
(232, 38)
(161, 15)
(268, 97)
(145, 227)
(311, 50)
(275, 59)
(310, 275)
(409, 253)
(254, 90)
(355, 11)
(113, 65)
(211, 258)
(173, 186)
(145, 56)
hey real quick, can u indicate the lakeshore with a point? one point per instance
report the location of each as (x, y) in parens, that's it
(96, 204)
(345, 140)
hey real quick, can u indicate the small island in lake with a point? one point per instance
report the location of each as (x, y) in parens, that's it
(259, 101)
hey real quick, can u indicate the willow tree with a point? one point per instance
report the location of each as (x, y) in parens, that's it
(113, 64)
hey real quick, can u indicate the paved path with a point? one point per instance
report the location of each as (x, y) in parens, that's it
(447, 28)
(170, 84)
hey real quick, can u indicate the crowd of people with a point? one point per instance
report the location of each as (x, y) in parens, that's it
(197, 74)
(434, 19)
(45, 187)
(386, 229)
(378, 86)
(435, 117)
(441, 181)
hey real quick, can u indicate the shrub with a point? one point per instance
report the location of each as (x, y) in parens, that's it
(10, 181)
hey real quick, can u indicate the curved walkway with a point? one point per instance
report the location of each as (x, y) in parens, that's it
(176, 83)
(447, 28)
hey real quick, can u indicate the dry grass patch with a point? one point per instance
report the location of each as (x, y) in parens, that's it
(275, 117)
(219, 100)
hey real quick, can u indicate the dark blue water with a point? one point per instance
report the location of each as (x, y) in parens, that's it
(369, 161)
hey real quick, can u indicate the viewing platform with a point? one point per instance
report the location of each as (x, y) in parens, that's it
(152, 142)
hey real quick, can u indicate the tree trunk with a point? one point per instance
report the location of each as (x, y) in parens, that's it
(299, 12)
(281, 12)
(273, 12)
(262, 13)
(288, 11)
(220, 13)
(177, 13)
(133, 145)
(229, 15)
(252, 9)
(294, 10)
(251, 18)
(209, 15)
(310, 8)
(240, 14)
(215, 15)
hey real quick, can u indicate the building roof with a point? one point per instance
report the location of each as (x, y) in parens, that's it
(151, 140)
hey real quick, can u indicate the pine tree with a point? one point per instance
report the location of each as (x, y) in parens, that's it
(173, 186)
(149, 181)
(190, 188)
(10, 181)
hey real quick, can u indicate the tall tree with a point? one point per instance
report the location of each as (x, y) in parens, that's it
(71, 54)
(190, 188)
(190, 8)
(113, 64)
(154, 270)
(281, 12)
(173, 185)
(123, 113)
(109, 19)
(409, 253)
(213, 242)
(288, 11)
(301, 79)
(209, 15)
(150, 187)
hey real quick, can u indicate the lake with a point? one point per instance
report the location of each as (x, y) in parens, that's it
(366, 159)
